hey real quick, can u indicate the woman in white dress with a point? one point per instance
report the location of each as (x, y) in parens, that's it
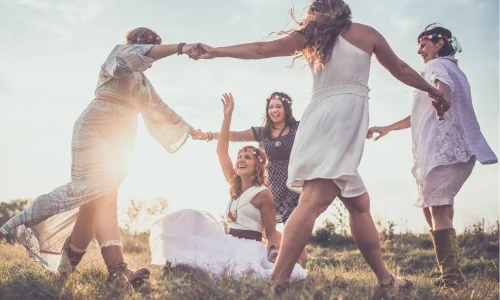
(57, 227)
(197, 239)
(444, 152)
(330, 139)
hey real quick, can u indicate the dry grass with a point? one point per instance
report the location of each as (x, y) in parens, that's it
(333, 274)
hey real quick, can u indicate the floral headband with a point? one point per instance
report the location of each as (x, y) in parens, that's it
(149, 38)
(453, 40)
(255, 153)
(258, 156)
(283, 99)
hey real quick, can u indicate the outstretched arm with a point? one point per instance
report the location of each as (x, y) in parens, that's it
(223, 143)
(286, 46)
(384, 130)
(238, 136)
(162, 51)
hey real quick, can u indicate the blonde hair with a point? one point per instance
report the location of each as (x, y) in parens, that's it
(259, 177)
(142, 35)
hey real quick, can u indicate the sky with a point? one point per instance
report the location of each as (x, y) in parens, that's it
(52, 52)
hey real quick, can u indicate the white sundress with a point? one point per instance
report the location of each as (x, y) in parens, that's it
(330, 139)
(197, 239)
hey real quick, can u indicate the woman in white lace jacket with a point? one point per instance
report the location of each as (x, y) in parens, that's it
(444, 151)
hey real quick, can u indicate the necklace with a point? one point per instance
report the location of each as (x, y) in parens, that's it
(277, 144)
(232, 215)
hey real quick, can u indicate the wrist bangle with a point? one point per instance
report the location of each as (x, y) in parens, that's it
(179, 48)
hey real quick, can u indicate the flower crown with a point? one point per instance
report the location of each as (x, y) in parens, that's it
(453, 40)
(257, 154)
(149, 38)
(435, 35)
(283, 99)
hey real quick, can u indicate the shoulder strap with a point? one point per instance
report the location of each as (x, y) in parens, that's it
(249, 194)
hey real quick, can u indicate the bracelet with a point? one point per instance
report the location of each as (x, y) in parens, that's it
(179, 48)
(271, 248)
(210, 136)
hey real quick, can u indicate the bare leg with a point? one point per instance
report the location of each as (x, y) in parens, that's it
(365, 234)
(315, 198)
(106, 218)
(83, 231)
(442, 216)
(428, 216)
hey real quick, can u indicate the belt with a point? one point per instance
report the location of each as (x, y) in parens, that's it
(118, 100)
(333, 90)
(246, 234)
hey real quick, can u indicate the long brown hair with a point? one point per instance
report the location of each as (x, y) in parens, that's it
(289, 118)
(324, 22)
(259, 177)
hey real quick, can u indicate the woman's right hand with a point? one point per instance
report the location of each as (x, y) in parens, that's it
(228, 103)
(272, 256)
(382, 131)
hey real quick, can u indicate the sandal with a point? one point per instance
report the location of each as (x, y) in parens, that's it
(408, 286)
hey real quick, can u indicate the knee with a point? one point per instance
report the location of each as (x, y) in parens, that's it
(108, 200)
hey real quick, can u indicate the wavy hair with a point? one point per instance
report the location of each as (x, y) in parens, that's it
(323, 23)
(259, 177)
(289, 118)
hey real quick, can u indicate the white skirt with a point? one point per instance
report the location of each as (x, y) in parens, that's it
(443, 183)
(197, 239)
(329, 143)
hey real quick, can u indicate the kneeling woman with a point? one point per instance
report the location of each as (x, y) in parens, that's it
(197, 239)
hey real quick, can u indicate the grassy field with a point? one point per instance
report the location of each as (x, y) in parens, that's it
(336, 271)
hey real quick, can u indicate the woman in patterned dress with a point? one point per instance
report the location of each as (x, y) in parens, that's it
(276, 138)
(57, 227)
(444, 151)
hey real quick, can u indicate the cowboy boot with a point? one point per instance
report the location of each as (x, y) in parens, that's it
(446, 249)
(120, 276)
(70, 257)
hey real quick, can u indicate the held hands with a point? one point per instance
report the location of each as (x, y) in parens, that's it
(228, 103)
(201, 135)
(382, 131)
(440, 103)
(199, 51)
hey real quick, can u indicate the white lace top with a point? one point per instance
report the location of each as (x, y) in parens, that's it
(458, 136)
(248, 217)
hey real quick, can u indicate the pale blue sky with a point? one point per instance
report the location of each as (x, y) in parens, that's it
(52, 51)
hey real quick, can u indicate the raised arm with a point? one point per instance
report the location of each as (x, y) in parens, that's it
(384, 130)
(286, 46)
(223, 143)
(238, 136)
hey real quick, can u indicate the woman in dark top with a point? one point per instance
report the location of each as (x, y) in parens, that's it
(275, 138)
